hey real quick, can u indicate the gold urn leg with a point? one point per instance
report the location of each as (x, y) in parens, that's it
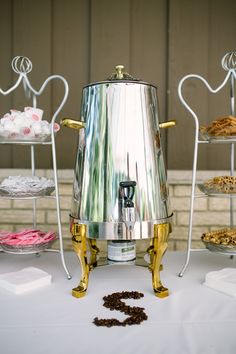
(79, 245)
(94, 250)
(150, 251)
(156, 251)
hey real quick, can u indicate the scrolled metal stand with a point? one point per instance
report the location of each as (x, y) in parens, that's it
(22, 66)
(229, 64)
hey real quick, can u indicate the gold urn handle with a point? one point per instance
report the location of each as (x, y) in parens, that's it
(71, 123)
(168, 124)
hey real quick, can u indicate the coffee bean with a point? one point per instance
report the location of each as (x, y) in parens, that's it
(113, 302)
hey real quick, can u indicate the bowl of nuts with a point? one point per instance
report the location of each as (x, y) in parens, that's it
(221, 241)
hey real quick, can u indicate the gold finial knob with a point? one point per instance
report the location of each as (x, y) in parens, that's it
(120, 71)
(120, 74)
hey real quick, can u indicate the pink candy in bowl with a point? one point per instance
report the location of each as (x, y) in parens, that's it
(26, 241)
(26, 125)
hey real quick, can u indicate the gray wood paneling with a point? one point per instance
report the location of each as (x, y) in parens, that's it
(159, 41)
(5, 71)
(188, 53)
(70, 58)
(32, 38)
(200, 34)
(222, 32)
(110, 37)
(148, 42)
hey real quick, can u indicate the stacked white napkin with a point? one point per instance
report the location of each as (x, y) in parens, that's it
(223, 280)
(25, 280)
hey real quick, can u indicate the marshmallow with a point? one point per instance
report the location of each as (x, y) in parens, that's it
(27, 132)
(34, 113)
(3, 120)
(45, 127)
(7, 115)
(18, 120)
(56, 127)
(8, 125)
(14, 113)
(37, 128)
(25, 124)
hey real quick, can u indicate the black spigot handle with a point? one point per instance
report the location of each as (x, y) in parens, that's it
(127, 189)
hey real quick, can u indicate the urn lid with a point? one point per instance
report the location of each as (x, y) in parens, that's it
(120, 76)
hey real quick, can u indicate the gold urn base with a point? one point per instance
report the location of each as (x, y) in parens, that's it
(83, 245)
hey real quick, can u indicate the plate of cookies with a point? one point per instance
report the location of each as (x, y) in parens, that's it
(220, 129)
(219, 185)
(221, 241)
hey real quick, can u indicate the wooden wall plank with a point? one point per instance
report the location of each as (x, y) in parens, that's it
(200, 34)
(71, 48)
(32, 38)
(148, 48)
(157, 40)
(222, 32)
(133, 34)
(188, 53)
(110, 37)
(5, 71)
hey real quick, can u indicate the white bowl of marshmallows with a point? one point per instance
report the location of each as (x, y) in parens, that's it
(26, 125)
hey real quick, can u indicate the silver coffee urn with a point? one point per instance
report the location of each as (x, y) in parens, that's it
(120, 192)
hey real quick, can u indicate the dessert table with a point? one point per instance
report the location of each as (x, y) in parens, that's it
(193, 319)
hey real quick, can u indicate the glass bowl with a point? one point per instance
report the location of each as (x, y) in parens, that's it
(25, 249)
(221, 241)
(20, 243)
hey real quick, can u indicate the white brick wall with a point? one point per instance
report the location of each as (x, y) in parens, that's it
(210, 213)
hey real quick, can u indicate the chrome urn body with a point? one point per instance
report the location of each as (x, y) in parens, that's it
(120, 190)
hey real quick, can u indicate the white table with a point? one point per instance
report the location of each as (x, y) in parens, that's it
(193, 319)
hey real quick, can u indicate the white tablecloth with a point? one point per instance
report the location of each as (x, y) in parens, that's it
(193, 319)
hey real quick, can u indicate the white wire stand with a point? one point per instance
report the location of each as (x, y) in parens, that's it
(22, 66)
(229, 64)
